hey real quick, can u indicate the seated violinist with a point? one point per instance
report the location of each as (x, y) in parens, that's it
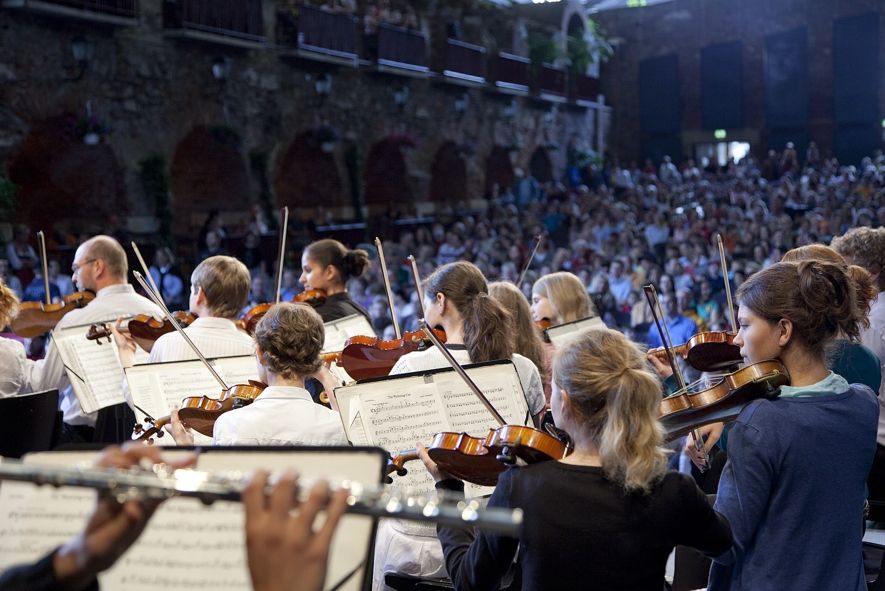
(288, 340)
(327, 265)
(18, 374)
(606, 516)
(100, 265)
(219, 289)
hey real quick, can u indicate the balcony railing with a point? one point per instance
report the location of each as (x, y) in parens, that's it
(124, 12)
(401, 49)
(465, 61)
(325, 33)
(216, 20)
(585, 89)
(512, 72)
(551, 82)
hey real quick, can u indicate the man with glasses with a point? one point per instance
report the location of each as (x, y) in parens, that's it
(100, 265)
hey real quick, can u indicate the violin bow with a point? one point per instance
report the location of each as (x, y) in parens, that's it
(384, 276)
(284, 228)
(528, 263)
(651, 295)
(159, 301)
(422, 324)
(41, 244)
(417, 278)
(728, 300)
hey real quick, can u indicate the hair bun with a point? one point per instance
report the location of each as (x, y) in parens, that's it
(355, 262)
(830, 294)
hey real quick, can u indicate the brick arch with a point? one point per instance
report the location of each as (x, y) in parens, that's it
(499, 169)
(540, 165)
(386, 172)
(448, 182)
(59, 176)
(208, 172)
(307, 175)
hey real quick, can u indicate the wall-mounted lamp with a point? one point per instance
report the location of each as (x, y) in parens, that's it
(221, 68)
(83, 50)
(508, 111)
(401, 97)
(461, 104)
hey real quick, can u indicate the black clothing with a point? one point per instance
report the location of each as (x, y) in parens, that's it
(38, 576)
(340, 305)
(581, 531)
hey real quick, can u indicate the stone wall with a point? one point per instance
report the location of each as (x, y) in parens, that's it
(156, 96)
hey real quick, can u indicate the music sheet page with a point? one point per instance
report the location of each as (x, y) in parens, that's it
(562, 333)
(158, 387)
(93, 369)
(338, 331)
(187, 545)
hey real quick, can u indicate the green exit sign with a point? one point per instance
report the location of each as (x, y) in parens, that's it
(719, 134)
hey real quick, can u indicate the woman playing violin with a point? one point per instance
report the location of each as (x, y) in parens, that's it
(327, 265)
(288, 340)
(478, 328)
(558, 298)
(606, 516)
(794, 485)
(528, 340)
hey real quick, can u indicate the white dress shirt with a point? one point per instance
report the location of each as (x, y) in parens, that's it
(874, 339)
(280, 416)
(18, 374)
(214, 337)
(110, 303)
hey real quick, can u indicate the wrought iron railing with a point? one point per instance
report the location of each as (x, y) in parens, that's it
(234, 18)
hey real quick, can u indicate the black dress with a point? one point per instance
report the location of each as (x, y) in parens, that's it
(340, 305)
(581, 531)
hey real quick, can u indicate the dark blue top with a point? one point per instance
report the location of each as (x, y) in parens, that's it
(793, 491)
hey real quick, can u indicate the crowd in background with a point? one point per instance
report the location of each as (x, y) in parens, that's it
(621, 228)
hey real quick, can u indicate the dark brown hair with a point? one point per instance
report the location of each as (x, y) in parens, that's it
(866, 290)
(350, 263)
(291, 337)
(819, 298)
(488, 326)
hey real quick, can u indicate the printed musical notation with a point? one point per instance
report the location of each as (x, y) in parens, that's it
(94, 371)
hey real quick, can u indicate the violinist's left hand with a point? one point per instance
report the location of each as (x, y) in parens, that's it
(431, 465)
(181, 434)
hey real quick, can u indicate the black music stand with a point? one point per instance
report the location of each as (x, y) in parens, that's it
(29, 423)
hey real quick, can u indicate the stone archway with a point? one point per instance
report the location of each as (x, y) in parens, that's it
(59, 176)
(307, 173)
(540, 165)
(386, 173)
(499, 171)
(448, 182)
(208, 172)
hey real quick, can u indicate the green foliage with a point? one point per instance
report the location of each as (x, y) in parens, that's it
(542, 49)
(258, 165)
(156, 187)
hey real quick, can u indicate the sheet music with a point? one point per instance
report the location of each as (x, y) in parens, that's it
(187, 545)
(561, 333)
(158, 387)
(93, 369)
(466, 412)
(338, 331)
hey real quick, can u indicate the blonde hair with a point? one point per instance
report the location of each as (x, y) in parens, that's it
(567, 295)
(226, 283)
(109, 250)
(615, 395)
(866, 247)
(528, 341)
(8, 304)
(290, 337)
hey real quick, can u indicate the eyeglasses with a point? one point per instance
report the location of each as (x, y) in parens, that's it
(75, 268)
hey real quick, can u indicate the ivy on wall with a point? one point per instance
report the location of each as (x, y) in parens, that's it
(152, 172)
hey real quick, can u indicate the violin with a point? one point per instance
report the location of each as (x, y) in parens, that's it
(36, 318)
(311, 297)
(706, 351)
(481, 460)
(200, 412)
(145, 329)
(697, 405)
(366, 357)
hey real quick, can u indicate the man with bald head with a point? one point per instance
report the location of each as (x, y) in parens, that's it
(100, 266)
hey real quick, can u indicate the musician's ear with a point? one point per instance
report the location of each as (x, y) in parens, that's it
(784, 331)
(441, 300)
